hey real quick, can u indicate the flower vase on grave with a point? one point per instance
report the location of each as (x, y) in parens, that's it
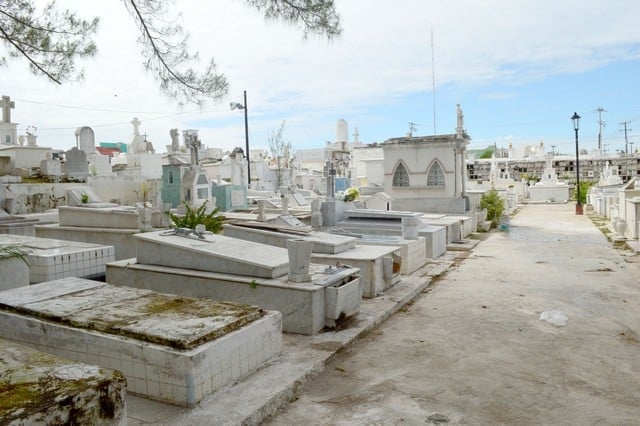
(299, 259)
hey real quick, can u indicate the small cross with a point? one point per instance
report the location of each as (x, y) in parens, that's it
(6, 104)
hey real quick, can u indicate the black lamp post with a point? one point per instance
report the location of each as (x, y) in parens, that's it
(576, 126)
(236, 105)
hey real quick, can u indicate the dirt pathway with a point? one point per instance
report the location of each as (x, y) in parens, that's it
(474, 351)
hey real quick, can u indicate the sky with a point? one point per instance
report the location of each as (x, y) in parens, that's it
(519, 70)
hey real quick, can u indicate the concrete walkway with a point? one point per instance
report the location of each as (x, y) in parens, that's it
(475, 351)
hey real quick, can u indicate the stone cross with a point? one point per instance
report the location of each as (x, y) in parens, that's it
(136, 124)
(6, 104)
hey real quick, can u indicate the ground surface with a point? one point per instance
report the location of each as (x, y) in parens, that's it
(472, 350)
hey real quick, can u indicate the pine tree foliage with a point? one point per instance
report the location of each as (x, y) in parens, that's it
(52, 40)
(49, 39)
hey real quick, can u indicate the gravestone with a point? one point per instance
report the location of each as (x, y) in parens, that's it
(86, 139)
(76, 165)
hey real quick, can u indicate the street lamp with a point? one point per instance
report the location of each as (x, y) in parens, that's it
(576, 126)
(236, 105)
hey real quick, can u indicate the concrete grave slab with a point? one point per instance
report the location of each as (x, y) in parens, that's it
(211, 252)
(333, 294)
(40, 388)
(170, 348)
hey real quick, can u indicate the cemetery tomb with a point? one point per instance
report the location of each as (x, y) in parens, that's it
(170, 348)
(40, 388)
(412, 252)
(309, 296)
(51, 259)
(379, 266)
(435, 235)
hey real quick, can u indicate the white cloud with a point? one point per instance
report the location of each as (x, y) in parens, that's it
(384, 54)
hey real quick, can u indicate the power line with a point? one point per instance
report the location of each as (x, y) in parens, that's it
(601, 123)
(626, 139)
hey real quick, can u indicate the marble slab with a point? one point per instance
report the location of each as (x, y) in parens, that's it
(323, 242)
(213, 253)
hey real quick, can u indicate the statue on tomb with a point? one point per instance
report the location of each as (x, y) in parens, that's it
(459, 120)
(175, 141)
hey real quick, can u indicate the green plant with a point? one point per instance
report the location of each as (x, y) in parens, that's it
(212, 221)
(494, 205)
(84, 198)
(584, 189)
(15, 252)
(351, 194)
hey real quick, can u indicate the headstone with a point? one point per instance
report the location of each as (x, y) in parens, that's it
(86, 139)
(101, 166)
(316, 216)
(50, 168)
(261, 207)
(76, 165)
(285, 206)
(299, 260)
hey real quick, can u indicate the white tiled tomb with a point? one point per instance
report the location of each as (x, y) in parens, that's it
(170, 348)
(51, 259)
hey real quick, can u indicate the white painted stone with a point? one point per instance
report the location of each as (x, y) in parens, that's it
(299, 252)
(304, 306)
(370, 260)
(213, 253)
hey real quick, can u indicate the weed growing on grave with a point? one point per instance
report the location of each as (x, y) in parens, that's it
(84, 198)
(212, 221)
(15, 252)
(253, 284)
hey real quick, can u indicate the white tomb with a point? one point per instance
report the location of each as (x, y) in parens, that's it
(169, 348)
(54, 259)
(215, 266)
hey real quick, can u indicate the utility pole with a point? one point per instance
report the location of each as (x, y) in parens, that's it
(626, 139)
(412, 128)
(601, 124)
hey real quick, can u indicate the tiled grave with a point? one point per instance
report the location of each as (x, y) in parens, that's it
(51, 259)
(40, 388)
(171, 348)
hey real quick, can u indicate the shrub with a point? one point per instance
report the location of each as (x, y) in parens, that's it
(351, 194)
(212, 221)
(494, 205)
